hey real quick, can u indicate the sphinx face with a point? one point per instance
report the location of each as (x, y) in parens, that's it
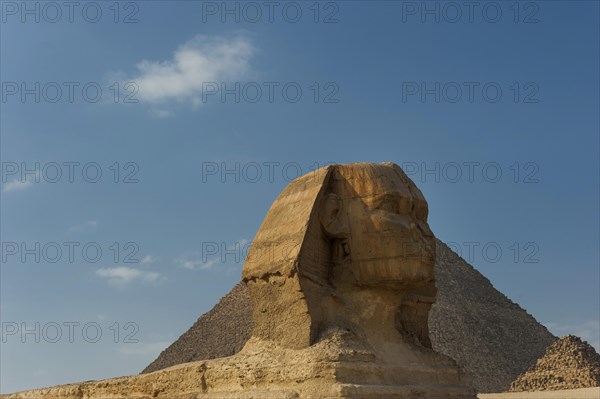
(353, 226)
(390, 241)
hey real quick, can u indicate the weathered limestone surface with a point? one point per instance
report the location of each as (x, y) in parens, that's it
(341, 279)
(494, 339)
(569, 363)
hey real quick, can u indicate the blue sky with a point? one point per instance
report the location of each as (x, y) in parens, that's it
(492, 110)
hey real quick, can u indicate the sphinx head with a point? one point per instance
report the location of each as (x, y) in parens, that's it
(379, 217)
(338, 232)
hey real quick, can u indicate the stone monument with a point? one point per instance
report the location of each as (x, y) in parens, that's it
(344, 260)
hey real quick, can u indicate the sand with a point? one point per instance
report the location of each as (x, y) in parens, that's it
(584, 393)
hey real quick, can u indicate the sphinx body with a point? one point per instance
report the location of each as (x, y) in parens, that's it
(341, 278)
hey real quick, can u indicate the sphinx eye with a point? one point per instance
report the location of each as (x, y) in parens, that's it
(421, 212)
(388, 203)
(405, 206)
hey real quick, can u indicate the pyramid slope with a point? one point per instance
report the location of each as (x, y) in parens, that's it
(220, 332)
(485, 332)
(568, 363)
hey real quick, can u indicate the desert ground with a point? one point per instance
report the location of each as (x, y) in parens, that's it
(584, 393)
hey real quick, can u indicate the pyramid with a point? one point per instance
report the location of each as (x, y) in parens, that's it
(493, 338)
(568, 363)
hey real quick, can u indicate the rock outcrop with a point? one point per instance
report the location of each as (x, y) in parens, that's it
(568, 363)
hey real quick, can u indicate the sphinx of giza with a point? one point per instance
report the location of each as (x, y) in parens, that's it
(341, 278)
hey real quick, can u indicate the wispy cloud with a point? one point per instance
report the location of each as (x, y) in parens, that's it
(588, 331)
(16, 185)
(146, 260)
(87, 226)
(194, 263)
(26, 181)
(201, 60)
(228, 257)
(122, 276)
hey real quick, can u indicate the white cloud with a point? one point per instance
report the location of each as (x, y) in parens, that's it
(122, 276)
(146, 260)
(153, 348)
(24, 182)
(202, 60)
(196, 264)
(588, 331)
(89, 225)
(15, 185)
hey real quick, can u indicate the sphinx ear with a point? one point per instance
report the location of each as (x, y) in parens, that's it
(330, 216)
